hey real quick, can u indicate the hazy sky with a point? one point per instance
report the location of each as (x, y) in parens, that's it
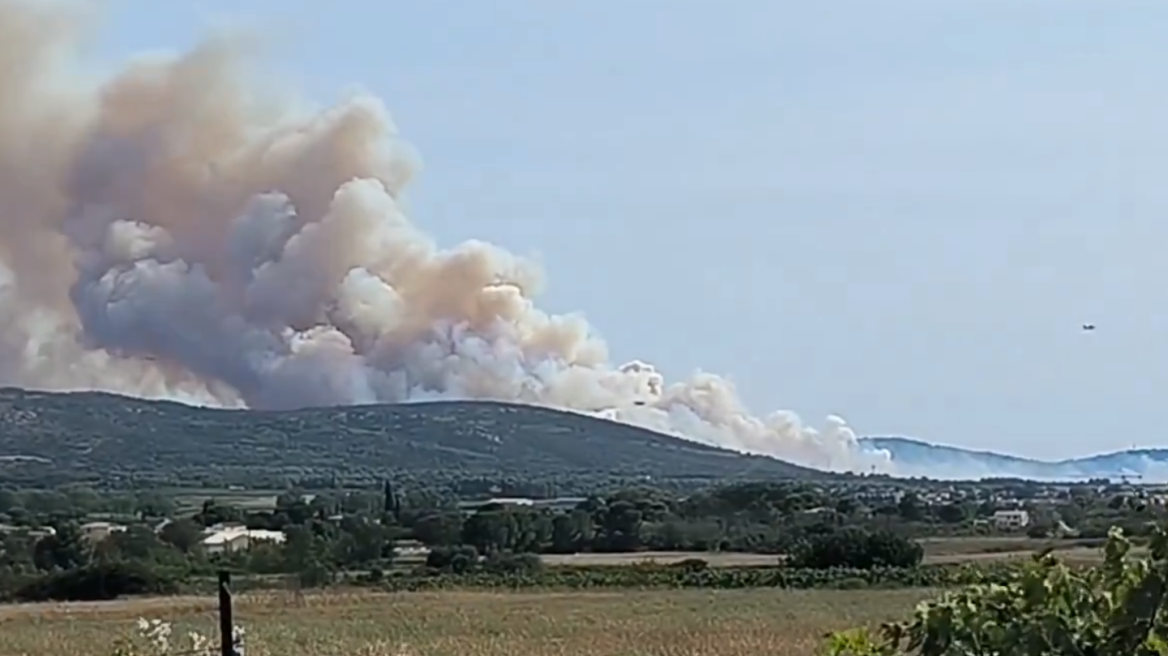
(900, 212)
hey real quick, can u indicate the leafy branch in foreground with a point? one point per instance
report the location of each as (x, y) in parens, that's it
(1115, 609)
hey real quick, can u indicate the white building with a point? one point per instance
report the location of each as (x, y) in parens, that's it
(97, 531)
(1011, 520)
(558, 504)
(39, 532)
(235, 538)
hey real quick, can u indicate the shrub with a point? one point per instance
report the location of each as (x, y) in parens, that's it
(315, 575)
(1038, 531)
(851, 583)
(458, 559)
(96, 582)
(856, 548)
(512, 563)
(1119, 608)
(692, 564)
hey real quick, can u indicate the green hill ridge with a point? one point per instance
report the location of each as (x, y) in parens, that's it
(51, 438)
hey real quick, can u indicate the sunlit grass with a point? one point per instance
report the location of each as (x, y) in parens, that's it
(681, 622)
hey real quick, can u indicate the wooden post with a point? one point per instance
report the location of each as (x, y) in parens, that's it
(226, 621)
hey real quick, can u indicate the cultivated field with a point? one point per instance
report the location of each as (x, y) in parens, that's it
(720, 559)
(937, 551)
(673, 623)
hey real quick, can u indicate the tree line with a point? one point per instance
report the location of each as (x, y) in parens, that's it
(365, 530)
(362, 531)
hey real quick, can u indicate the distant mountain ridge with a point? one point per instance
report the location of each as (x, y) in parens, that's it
(917, 457)
(105, 439)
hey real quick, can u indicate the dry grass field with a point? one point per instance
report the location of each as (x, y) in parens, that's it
(363, 623)
(982, 549)
(666, 623)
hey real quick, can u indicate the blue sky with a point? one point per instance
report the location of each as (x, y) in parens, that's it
(897, 211)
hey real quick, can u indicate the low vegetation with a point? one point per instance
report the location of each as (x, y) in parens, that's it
(1115, 609)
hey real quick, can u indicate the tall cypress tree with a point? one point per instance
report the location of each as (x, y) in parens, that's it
(392, 503)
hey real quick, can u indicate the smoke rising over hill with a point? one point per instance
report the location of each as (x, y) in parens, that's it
(171, 231)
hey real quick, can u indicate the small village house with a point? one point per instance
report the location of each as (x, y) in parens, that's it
(1010, 520)
(95, 532)
(237, 538)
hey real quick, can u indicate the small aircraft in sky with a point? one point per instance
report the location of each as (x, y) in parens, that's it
(1088, 327)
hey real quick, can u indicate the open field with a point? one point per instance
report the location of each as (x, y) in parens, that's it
(676, 622)
(983, 549)
(977, 545)
(189, 501)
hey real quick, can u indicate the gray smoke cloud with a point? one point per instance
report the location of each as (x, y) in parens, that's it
(171, 231)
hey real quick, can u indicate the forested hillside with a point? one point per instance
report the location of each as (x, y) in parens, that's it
(48, 438)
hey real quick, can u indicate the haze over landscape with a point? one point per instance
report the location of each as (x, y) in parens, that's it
(184, 228)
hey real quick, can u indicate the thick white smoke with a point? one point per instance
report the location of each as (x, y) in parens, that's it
(171, 232)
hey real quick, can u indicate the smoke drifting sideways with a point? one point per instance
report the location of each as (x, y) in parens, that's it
(171, 231)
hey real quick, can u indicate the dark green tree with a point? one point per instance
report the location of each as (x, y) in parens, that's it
(65, 549)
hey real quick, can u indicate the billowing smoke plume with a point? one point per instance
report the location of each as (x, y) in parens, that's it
(171, 232)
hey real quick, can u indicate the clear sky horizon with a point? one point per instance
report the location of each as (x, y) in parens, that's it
(899, 212)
